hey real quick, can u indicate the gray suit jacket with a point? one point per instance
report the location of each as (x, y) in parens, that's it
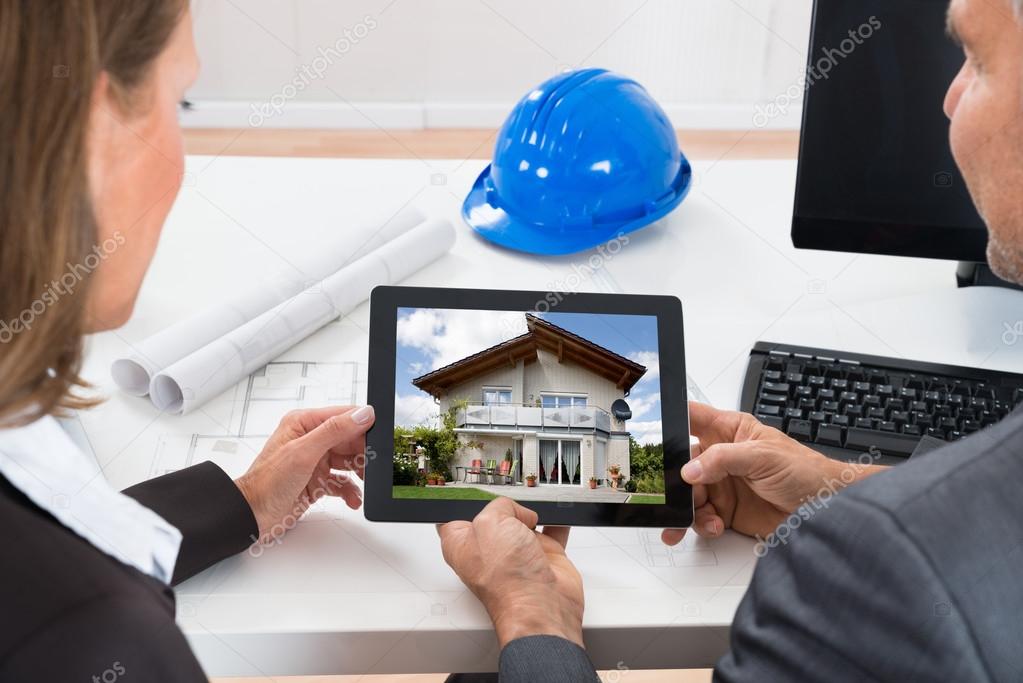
(915, 574)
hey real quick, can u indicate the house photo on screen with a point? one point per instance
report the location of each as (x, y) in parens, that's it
(561, 407)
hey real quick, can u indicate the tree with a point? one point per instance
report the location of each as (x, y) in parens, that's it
(648, 458)
(440, 445)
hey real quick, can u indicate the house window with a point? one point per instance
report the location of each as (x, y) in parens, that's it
(496, 396)
(562, 400)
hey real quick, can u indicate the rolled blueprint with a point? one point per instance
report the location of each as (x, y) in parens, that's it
(202, 375)
(134, 374)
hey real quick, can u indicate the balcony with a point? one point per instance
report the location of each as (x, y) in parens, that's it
(533, 418)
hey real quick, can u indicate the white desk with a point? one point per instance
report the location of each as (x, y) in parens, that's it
(341, 595)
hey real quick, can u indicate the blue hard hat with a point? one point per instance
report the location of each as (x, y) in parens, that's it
(582, 158)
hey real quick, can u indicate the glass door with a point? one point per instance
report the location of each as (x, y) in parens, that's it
(517, 459)
(570, 452)
(600, 459)
(549, 473)
(559, 462)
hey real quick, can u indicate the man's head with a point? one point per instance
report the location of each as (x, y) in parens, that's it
(985, 106)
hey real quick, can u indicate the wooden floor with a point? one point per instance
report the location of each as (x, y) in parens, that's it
(453, 143)
(674, 676)
(459, 144)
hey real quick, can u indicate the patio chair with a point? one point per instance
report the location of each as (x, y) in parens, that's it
(502, 469)
(507, 471)
(475, 467)
(491, 470)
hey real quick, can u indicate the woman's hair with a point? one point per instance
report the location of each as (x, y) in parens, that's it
(51, 54)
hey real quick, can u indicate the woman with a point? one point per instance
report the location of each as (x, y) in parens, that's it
(90, 163)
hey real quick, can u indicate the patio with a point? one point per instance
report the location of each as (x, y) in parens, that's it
(550, 492)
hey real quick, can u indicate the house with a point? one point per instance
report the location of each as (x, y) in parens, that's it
(552, 398)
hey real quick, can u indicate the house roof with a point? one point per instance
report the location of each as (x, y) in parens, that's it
(541, 334)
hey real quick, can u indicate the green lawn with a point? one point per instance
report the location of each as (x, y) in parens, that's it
(648, 499)
(441, 493)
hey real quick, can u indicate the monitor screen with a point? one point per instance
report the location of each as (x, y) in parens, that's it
(876, 173)
(557, 407)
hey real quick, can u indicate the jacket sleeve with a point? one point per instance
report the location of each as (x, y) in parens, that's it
(849, 596)
(107, 638)
(545, 659)
(208, 509)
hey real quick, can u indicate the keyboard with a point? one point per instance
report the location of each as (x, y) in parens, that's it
(845, 404)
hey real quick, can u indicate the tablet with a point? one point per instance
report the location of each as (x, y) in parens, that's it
(574, 405)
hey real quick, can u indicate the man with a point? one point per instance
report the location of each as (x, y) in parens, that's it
(914, 575)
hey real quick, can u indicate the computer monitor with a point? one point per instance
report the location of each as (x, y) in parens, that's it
(876, 174)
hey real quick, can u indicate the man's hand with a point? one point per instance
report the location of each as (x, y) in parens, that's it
(750, 477)
(523, 578)
(312, 454)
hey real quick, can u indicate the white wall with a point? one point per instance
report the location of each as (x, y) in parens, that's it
(463, 63)
(548, 375)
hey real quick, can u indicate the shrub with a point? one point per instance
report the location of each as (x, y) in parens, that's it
(440, 445)
(405, 472)
(630, 486)
(649, 482)
(645, 458)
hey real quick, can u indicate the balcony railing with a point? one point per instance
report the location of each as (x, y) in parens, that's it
(513, 416)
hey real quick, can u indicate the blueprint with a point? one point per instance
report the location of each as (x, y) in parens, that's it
(257, 405)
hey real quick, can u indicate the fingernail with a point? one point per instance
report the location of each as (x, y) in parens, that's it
(692, 471)
(711, 527)
(363, 415)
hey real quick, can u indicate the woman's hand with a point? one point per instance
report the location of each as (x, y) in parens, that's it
(312, 454)
(750, 477)
(523, 578)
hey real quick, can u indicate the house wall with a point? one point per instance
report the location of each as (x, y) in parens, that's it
(618, 454)
(548, 375)
(494, 448)
(472, 390)
(527, 383)
(586, 466)
(530, 456)
(709, 63)
(496, 445)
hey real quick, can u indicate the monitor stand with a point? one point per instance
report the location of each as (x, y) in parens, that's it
(970, 273)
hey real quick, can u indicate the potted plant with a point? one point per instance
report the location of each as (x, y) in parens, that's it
(431, 479)
(441, 479)
(508, 455)
(593, 482)
(530, 480)
(615, 472)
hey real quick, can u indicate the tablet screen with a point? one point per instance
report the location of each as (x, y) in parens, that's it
(560, 407)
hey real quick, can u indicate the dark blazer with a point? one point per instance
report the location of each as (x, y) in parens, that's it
(915, 574)
(69, 612)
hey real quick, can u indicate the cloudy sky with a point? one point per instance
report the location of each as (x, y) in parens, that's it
(432, 338)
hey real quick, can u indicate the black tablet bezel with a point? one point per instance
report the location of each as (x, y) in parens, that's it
(380, 506)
